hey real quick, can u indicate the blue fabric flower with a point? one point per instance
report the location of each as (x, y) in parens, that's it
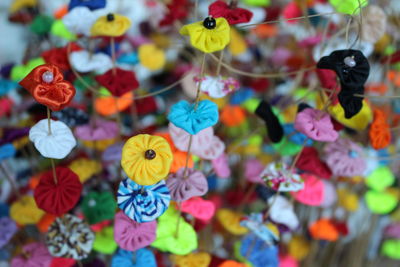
(241, 96)
(260, 254)
(140, 258)
(91, 4)
(143, 206)
(184, 116)
(130, 58)
(7, 151)
(6, 86)
(295, 136)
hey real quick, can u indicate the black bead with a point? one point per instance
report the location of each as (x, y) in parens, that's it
(150, 154)
(110, 17)
(209, 23)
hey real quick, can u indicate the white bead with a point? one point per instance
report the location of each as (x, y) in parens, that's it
(48, 77)
(92, 203)
(349, 61)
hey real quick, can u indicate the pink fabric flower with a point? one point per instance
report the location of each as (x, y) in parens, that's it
(252, 171)
(200, 141)
(39, 256)
(315, 124)
(98, 130)
(313, 192)
(344, 158)
(199, 208)
(221, 166)
(181, 188)
(131, 235)
(212, 152)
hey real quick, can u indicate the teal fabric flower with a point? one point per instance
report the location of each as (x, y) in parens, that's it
(99, 206)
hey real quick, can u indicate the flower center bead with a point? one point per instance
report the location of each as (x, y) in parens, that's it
(209, 23)
(48, 77)
(110, 17)
(353, 154)
(150, 154)
(350, 62)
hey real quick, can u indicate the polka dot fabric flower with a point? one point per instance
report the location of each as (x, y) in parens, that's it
(146, 159)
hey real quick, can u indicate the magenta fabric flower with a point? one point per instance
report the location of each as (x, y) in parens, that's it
(315, 124)
(252, 171)
(38, 256)
(344, 158)
(221, 166)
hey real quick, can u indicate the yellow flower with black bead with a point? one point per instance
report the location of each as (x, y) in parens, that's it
(112, 25)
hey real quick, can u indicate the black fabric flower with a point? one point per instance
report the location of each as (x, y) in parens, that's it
(350, 103)
(274, 127)
(72, 116)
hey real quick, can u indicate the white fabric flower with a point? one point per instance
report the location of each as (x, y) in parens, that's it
(56, 145)
(82, 61)
(282, 212)
(217, 87)
(79, 20)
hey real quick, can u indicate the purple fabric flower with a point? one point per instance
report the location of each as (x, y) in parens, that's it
(7, 230)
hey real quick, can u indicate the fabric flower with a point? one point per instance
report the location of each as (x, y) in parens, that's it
(252, 171)
(104, 241)
(60, 197)
(221, 166)
(198, 259)
(85, 168)
(38, 256)
(279, 177)
(183, 188)
(47, 85)
(282, 212)
(24, 211)
(112, 153)
(146, 159)
(131, 235)
(351, 66)
(231, 12)
(58, 56)
(309, 161)
(379, 131)
(313, 192)
(91, 4)
(151, 57)
(119, 84)
(200, 141)
(373, 24)
(142, 257)
(351, 104)
(215, 149)
(177, 10)
(255, 223)
(316, 124)
(344, 158)
(218, 87)
(79, 20)
(274, 127)
(98, 206)
(98, 129)
(260, 254)
(7, 230)
(208, 36)
(56, 145)
(350, 7)
(69, 237)
(184, 115)
(82, 61)
(72, 116)
(199, 208)
(112, 25)
(143, 203)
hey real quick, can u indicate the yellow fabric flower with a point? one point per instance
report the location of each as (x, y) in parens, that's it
(230, 220)
(151, 57)
(146, 159)
(211, 39)
(19, 4)
(299, 247)
(238, 44)
(200, 259)
(358, 122)
(112, 25)
(24, 211)
(99, 145)
(85, 168)
(347, 199)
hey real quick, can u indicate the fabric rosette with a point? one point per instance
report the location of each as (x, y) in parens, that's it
(182, 188)
(112, 25)
(279, 177)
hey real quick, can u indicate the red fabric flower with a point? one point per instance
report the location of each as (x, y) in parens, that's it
(47, 85)
(58, 198)
(122, 82)
(177, 10)
(327, 79)
(309, 162)
(231, 13)
(59, 56)
(146, 105)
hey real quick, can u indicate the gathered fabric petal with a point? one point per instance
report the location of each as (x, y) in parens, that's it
(184, 115)
(25, 211)
(279, 177)
(83, 61)
(143, 257)
(313, 192)
(199, 208)
(309, 161)
(231, 12)
(99, 129)
(79, 20)
(351, 104)
(39, 256)
(282, 212)
(177, 10)
(218, 87)
(98, 206)
(120, 83)
(221, 166)
(379, 131)
(139, 168)
(252, 171)
(103, 26)
(274, 127)
(316, 124)
(183, 188)
(201, 140)
(143, 203)
(69, 237)
(208, 40)
(58, 198)
(55, 94)
(131, 235)
(56, 145)
(215, 150)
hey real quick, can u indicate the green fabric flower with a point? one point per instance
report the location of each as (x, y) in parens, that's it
(99, 206)
(104, 242)
(42, 24)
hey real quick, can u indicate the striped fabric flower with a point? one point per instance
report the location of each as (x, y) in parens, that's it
(143, 203)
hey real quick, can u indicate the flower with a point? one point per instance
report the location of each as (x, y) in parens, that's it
(38, 256)
(82, 61)
(379, 131)
(266, 232)
(231, 12)
(120, 83)
(143, 203)
(47, 85)
(72, 116)
(200, 141)
(350, 7)
(344, 158)
(316, 124)
(146, 159)
(7, 230)
(184, 115)
(274, 127)
(143, 257)
(112, 25)
(324, 229)
(221, 166)
(282, 212)
(313, 192)
(218, 87)
(98, 129)
(198, 259)
(351, 104)
(199, 208)
(85, 168)
(79, 20)
(183, 188)
(374, 24)
(104, 241)
(131, 235)
(58, 198)
(208, 36)
(24, 211)
(56, 145)
(280, 178)
(98, 206)
(69, 237)
(151, 57)
(91, 4)
(309, 161)
(177, 10)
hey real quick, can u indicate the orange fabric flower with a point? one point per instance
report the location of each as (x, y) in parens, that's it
(47, 85)
(379, 131)
(324, 229)
(232, 116)
(109, 105)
